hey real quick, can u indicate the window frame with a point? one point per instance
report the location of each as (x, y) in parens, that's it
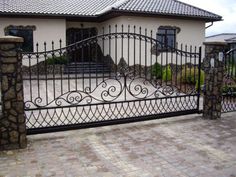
(25, 29)
(164, 34)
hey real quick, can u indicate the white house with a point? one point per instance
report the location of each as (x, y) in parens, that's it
(73, 20)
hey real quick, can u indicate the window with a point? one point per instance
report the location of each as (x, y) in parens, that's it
(167, 38)
(24, 32)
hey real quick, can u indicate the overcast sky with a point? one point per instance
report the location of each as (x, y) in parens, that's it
(225, 8)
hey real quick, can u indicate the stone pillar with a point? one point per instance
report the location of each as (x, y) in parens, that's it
(12, 120)
(214, 70)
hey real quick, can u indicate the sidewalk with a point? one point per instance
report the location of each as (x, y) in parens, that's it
(184, 146)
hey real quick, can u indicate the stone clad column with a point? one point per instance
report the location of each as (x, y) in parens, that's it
(214, 70)
(12, 120)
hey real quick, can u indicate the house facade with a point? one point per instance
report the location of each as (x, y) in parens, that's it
(170, 21)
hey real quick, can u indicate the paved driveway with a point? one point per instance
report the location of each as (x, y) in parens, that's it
(180, 147)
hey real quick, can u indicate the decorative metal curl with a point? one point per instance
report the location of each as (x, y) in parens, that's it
(167, 91)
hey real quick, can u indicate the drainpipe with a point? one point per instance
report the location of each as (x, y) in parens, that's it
(209, 25)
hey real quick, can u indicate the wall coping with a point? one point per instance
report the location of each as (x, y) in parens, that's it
(11, 39)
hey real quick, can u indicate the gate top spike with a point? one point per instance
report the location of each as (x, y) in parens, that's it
(45, 46)
(37, 47)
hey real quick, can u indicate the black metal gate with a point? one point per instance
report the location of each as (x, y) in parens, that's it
(130, 76)
(229, 82)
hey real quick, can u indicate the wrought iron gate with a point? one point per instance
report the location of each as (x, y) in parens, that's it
(130, 77)
(229, 82)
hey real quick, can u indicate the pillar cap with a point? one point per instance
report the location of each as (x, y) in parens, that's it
(11, 39)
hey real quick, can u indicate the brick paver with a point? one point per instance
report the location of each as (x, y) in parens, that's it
(180, 147)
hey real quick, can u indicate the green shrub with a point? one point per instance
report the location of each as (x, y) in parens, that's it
(61, 60)
(156, 70)
(166, 73)
(188, 76)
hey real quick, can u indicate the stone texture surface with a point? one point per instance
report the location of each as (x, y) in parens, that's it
(185, 146)
(213, 81)
(11, 123)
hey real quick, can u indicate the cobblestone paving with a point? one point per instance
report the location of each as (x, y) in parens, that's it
(180, 147)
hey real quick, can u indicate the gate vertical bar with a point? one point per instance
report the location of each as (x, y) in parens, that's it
(109, 51)
(128, 45)
(151, 62)
(156, 53)
(82, 59)
(46, 71)
(116, 49)
(145, 57)
(103, 51)
(90, 61)
(140, 52)
(199, 78)
(53, 71)
(134, 49)
(61, 71)
(37, 60)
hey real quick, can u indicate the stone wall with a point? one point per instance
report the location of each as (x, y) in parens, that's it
(214, 71)
(12, 121)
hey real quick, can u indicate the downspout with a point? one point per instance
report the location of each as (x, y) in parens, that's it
(209, 25)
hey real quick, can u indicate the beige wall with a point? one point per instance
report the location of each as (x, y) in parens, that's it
(70, 24)
(47, 30)
(192, 33)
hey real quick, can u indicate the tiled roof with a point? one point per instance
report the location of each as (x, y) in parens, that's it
(220, 37)
(99, 7)
(55, 7)
(166, 7)
(231, 40)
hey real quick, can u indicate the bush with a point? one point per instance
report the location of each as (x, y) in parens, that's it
(160, 72)
(61, 60)
(188, 76)
(166, 73)
(156, 70)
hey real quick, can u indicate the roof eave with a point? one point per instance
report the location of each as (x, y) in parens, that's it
(109, 14)
(154, 14)
(14, 14)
